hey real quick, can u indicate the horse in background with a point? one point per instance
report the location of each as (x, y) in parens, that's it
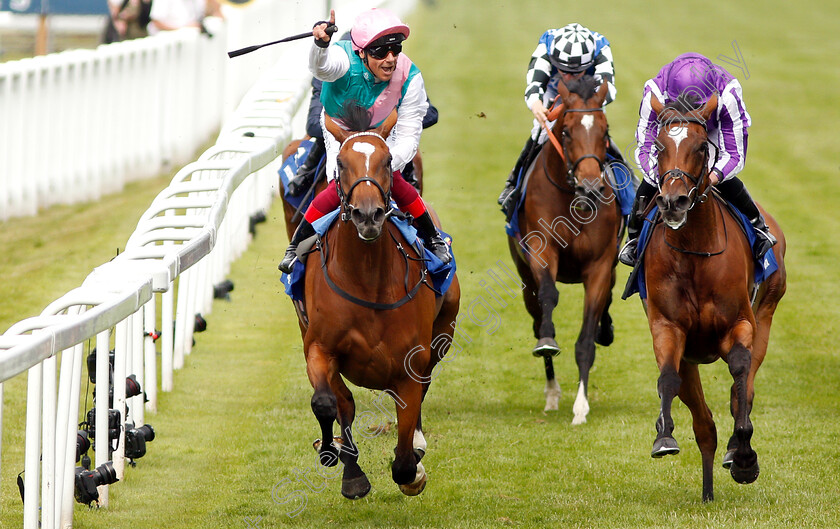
(570, 228)
(364, 320)
(699, 271)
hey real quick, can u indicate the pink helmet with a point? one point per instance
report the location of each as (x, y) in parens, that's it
(374, 24)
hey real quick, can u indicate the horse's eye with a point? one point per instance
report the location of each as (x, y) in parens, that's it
(339, 164)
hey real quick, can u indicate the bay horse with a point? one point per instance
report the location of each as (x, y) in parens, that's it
(570, 225)
(291, 213)
(364, 321)
(699, 271)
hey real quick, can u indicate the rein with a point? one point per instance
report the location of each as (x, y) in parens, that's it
(322, 247)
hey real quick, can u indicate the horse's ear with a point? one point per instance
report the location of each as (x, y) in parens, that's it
(385, 129)
(601, 94)
(339, 133)
(655, 104)
(562, 91)
(709, 107)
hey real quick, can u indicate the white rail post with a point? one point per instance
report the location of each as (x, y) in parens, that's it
(121, 345)
(150, 361)
(48, 437)
(102, 439)
(167, 338)
(32, 487)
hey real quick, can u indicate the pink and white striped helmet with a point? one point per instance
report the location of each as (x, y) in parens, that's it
(374, 24)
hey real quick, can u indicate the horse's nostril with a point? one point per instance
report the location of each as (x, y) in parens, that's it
(379, 215)
(356, 216)
(660, 202)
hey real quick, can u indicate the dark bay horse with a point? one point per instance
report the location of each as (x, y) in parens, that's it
(570, 225)
(365, 322)
(699, 273)
(293, 216)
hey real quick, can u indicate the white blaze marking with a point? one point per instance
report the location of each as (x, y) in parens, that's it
(678, 134)
(367, 149)
(587, 121)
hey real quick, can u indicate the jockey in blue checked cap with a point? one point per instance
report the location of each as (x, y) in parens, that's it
(693, 78)
(562, 55)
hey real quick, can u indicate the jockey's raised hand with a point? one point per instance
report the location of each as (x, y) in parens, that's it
(322, 38)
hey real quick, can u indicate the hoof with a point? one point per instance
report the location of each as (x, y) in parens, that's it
(546, 347)
(416, 487)
(728, 457)
(744, 475)
(355, 488)
(665, 446)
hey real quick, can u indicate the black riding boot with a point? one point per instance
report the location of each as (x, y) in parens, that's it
(306, 172)
(735, 192)
(510, 194)
(409, 176)
(303, 232)
(634, 225)
(431, 238)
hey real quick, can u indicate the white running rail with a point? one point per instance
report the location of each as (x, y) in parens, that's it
(182, 246)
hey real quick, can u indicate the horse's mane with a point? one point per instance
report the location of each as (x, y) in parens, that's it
(355, 116)
(585, 87)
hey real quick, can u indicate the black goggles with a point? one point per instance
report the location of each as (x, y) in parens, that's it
(380, 52)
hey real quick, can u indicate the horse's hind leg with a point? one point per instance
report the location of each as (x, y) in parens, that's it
(606, 333)
(545, 347)
(354, 482)
(691, 393)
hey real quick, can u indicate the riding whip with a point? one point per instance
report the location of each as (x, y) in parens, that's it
(236, 53)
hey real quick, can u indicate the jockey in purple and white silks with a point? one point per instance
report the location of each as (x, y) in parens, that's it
(694, 77)
(371, 70)
(561, 55)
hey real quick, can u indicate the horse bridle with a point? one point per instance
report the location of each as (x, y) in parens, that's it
(571, 180)
(347, 206)
(678, 174)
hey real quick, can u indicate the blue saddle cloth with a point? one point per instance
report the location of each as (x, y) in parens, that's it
(636, 281)
(288, 170)
(441, 274)
(620, 179)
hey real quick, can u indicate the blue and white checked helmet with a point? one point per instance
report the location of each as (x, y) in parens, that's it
(573, 49)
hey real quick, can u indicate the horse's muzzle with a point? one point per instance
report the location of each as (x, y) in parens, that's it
(369, 222)
(674, 209)
(592, 191)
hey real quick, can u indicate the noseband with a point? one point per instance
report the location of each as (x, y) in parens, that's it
(347, 206)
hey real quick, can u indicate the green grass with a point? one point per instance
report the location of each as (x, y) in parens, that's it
(238, 425)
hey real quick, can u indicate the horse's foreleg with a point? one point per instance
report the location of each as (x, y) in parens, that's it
(744, 460)
(668, 345)
(354, 482)
(691, 393)
(596, 297)
(407, 471)
(324, 403)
